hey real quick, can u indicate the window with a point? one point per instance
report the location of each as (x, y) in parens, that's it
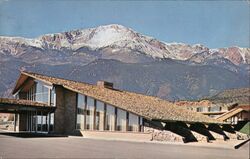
(90, 114)
(41, 123)
(133, 122)
(121, 120)
(42, 93)
(51, 121)
(110, 118)
(99, 121)
(209, 109)
(31, 94)
(52, 97)
(199, 109)
(80, 111)
(216, 108)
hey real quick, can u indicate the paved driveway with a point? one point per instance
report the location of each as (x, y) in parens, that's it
(64, 147)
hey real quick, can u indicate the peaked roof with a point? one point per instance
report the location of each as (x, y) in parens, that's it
(233, 112)
(149, 107)
(230, 114)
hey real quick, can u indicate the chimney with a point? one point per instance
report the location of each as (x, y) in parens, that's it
(105, 84)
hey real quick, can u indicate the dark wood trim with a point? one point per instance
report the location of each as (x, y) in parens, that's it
(143, 122)
(85, 111)
(127, 121)
(49, 122)
(94, 116)
(76, 113)
(115, 124)
(15, 122)
(139, 124)
(104, 120)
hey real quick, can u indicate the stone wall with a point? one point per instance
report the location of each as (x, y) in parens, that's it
(70, 111)
(163, 135)
(60, 110)
(65, 113)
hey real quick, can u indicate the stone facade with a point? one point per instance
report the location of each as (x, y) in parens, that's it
(65, 114)
(70, 111)
(60, 110)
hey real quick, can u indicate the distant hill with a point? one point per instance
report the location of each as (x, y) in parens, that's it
(241, 96)
(167, 79)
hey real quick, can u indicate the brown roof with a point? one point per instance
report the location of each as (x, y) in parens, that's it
(147, 106)
(202, 103)
(245, 107)
(230, 114)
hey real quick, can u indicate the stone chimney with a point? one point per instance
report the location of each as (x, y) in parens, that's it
(105, 84)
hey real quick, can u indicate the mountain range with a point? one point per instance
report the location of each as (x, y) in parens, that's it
(132, 61)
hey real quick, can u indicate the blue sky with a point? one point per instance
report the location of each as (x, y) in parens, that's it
(212, 23)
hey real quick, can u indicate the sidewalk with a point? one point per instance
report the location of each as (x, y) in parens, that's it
(229, 144)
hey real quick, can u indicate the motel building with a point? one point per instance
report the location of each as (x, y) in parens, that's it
(45, 104)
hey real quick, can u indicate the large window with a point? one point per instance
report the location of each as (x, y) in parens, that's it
(215, 109)
(80, 111)
(52, 97)
(31, 95)
(199, 109)
(96, 115)
(90, 114)
(42, 93)
(99, 119)
(110, 118)
(133, 122)
(121, 120)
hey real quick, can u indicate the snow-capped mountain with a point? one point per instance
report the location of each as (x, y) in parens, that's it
(113, 40)
(129, 59)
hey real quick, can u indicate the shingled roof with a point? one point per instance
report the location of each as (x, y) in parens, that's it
(230, 114)
(149, 107)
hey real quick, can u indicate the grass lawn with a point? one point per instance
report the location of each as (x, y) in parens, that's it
(246, 128)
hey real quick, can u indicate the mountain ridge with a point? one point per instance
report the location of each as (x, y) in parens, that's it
(64, 53)
(111, 38)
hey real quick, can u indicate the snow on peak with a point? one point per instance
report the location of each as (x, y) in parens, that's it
(106, 35)
(21, 40)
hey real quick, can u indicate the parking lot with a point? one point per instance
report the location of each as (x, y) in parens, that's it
(79, 147)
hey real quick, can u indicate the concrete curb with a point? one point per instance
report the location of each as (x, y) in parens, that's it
(206, 145)
(241, 144)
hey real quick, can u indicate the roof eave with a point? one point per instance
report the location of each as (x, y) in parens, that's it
(23, 75)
